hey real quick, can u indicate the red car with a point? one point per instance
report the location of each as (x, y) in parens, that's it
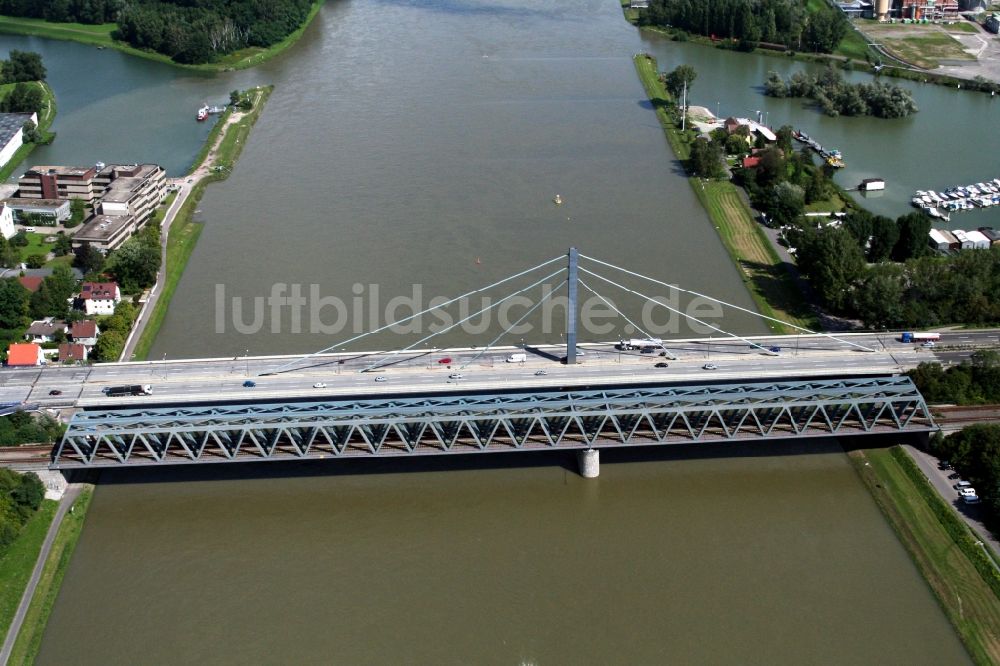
(444, 361)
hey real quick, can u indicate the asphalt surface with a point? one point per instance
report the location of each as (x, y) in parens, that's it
(204, 380)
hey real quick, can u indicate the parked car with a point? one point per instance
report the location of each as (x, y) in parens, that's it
(319, 385)
(944, 464)
(661, 365)
(710, 366)
(970, 499)
(962, 484)
(967, 492)
(249, 383)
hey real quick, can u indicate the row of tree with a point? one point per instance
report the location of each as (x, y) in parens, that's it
(751, 22)
(837, 97)
(975, 382)
(974, 452)
(20, 497)
(23, 428)
(64, 11)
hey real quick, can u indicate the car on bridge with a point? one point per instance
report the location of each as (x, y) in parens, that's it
(710, 366)
(319, 385)
(662, 365)
(55, 392)
(929, 343)
(380, 378)
(249, 383)
(455, 375)
(539, 373)
(444, 361)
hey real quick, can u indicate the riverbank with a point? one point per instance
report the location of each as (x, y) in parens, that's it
(180, 232)
(45, 119)
(100, 36)
(29, 639)
(771, 285)
(962, 577)
(17, 563)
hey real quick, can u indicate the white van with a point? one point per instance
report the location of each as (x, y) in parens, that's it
(519, 357)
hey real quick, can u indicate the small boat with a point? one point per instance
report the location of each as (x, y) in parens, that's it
(557, 200)
(202, 113)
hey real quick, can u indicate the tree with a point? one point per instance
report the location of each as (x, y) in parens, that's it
(13, 303)
(23, 98)
(885, 235)
(63, 245)
(30, 133)
(234, 98)
(785, 134)
(786, 203)
(77, 213)
(775, 86)
(23, 66)
(706, 158)
(109, 346)
(913, 231)
(89, 259)
(736, 144)
(834, 263)
(675, 80)
(135, 264)
(35, 260)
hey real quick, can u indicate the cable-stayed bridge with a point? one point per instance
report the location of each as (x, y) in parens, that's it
(496, 396)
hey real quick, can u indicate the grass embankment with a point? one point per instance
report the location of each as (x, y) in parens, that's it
(770, 284)
(18, 561)
(100, 35)
(184, 232)
(30, 638)
(45, 118)
(961, 575)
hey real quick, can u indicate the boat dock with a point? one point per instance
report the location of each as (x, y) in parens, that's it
(961, 197)
(831, 157)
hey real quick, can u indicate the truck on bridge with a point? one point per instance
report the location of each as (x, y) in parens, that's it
(639, 343)
(130, 389)
(919, 337)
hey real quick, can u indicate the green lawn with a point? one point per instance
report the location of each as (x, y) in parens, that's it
(36, 245)
(947, 563)
(18, 561)
(30, 638)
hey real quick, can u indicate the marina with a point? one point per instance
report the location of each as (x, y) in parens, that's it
(832, 157)
(959, 198)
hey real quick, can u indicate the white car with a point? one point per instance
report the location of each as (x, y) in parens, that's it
(319, 385)
(929, 343)
(967, 492)
(456, 375)
(380, 378)
(970, 499)
(710, 366)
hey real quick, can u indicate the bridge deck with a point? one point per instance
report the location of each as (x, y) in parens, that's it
(484, 423)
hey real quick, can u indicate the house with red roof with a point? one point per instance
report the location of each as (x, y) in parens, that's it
(31, 282)
(84, 332)
(24, 354)
(100, 298)
(750, 162)
(71, 352)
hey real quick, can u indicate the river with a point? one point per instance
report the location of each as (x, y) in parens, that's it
(403, 142)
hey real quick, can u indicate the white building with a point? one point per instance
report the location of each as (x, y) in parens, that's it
(963, 239)
(979, 240)
(938, 240)
(11, 133)
(100, 298)
(6, 221)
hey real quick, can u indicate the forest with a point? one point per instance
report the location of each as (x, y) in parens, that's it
(20, 497)
(751, 22)
(189, 31)
(837, 97)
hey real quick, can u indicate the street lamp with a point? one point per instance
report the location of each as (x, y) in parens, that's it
(246, 355)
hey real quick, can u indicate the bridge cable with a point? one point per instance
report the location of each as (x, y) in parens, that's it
(413, 316)
(381, 361)
(509, 328)
(724, 303)
(676, 311)
(670, 354)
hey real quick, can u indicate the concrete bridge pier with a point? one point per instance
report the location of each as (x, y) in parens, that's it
(589, 461)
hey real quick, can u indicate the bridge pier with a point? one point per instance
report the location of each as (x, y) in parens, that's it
(589, 461)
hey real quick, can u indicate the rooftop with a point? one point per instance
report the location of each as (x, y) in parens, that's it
(42, 204)
(11, 124)
(23, 353)
(98, 290)
(100, 228)
(86, 328)
(78, 172)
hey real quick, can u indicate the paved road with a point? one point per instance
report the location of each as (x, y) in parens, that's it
(423, 371)
(72, 492)
(939, 479)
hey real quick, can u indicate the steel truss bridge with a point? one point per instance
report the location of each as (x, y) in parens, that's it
(492, 422)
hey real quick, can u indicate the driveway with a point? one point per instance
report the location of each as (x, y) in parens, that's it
(970, 513)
